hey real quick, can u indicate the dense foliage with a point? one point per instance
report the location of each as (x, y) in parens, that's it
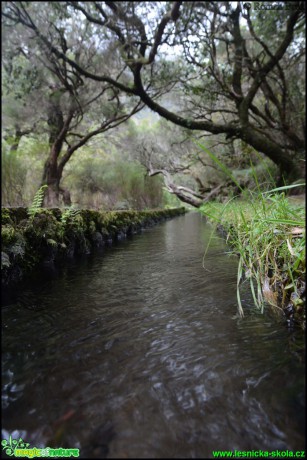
(76, 74)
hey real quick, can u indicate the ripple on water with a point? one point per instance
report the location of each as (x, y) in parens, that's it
(139, 353)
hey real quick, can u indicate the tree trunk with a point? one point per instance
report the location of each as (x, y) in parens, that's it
(52, 174)
(55, 195)
(184, 197)
(51, 199)
(52, 177)
(65, 196)
(289, 167)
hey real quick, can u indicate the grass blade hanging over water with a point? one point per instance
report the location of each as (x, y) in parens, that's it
(240, 272)
(285, 187)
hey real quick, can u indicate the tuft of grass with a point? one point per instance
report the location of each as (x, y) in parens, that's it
(267, 231)
(270, 241)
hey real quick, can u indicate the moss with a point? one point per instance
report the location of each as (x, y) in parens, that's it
(56, 212)
(48, 236)
(13, 256)
(41, 227)
(18, 214)
(92, 227)
(8, 235)
(74, 228)
(5, 217)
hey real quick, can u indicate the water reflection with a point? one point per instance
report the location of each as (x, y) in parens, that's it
(138, 353)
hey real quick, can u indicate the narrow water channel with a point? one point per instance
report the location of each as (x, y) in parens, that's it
(138, 353)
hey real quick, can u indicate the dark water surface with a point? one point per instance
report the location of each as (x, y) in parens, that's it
(138, 353)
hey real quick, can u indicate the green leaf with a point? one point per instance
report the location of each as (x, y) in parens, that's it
(286, 187)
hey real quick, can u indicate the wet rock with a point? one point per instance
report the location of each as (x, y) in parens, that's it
(120, 236)
(83, 246)
(13, 276)
(97, 239)
(49, 253)
(70, 248)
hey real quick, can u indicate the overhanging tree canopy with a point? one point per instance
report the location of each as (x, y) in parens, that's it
(55, 97)
(233, 70)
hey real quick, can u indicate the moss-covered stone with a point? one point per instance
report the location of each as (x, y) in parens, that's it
(8, 235)
(54, 234)
(5, 217)
(15, 215)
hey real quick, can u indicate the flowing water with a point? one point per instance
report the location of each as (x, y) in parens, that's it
(138, 353)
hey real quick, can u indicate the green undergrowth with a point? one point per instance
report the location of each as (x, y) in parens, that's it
(267, 232)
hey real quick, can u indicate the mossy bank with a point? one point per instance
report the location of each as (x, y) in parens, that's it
(51, 235)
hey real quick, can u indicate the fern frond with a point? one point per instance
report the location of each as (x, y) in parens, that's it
(69, 213)
(37, 201)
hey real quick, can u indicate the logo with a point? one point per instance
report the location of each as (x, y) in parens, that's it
(20, 448)
(259, 6)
